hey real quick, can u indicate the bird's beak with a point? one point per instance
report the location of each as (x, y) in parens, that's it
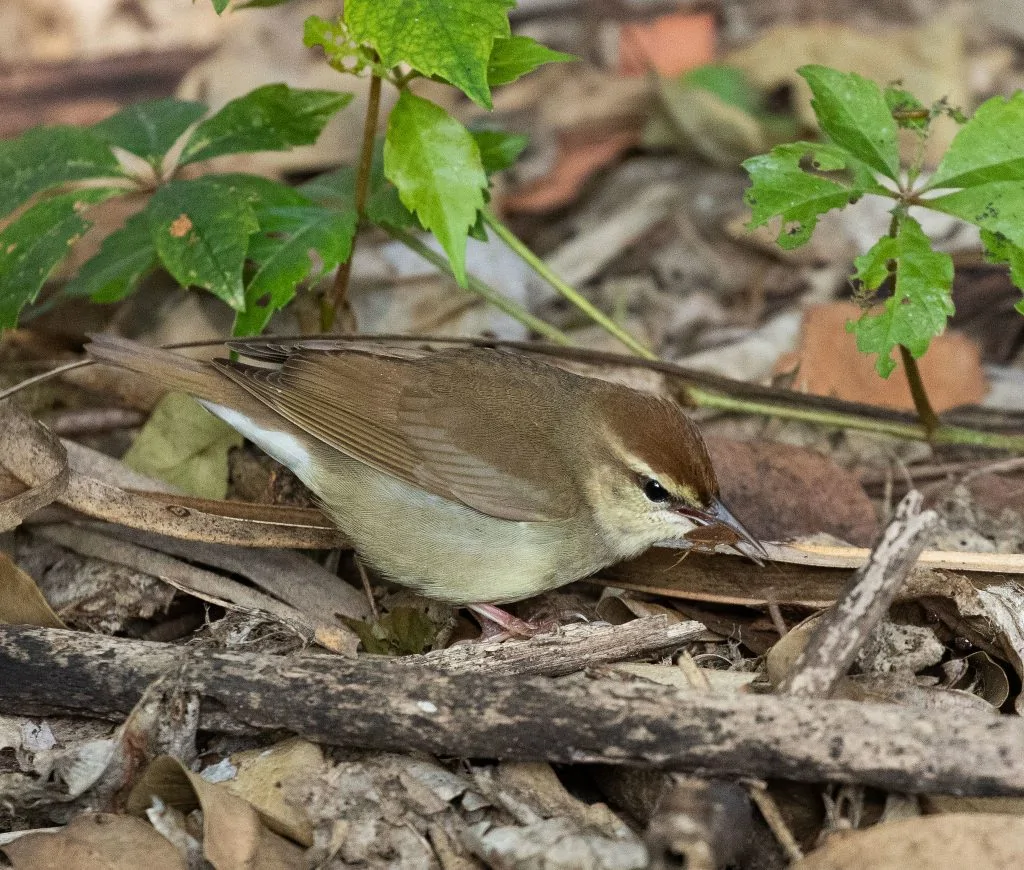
(719, 514)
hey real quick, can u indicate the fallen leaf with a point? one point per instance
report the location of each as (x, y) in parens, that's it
(233, 836)
(97, 841)
(261, 777)
(951, 841)
(21, 602)
(780, 492)
(670, 45)
(828, 363)
(185, 445)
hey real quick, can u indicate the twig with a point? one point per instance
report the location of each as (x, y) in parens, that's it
(378, 704)
(925, 413)
(339, 301)
(842, 631)
(570, 293)
(573, 648)
(482, 289)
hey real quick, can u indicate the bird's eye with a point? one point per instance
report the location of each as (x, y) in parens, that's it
(654, 490)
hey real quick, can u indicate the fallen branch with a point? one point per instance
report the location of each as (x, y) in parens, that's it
(573, 648)
(842, 630)
(376, 704)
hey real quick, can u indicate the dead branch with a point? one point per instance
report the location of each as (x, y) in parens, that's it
(376, 704)
(866, 599)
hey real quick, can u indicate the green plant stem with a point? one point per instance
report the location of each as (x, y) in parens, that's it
(502, 303)
(925, 412)
(339, 297)
(942, 434)
(570, 293)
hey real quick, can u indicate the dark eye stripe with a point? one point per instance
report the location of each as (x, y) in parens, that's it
(654, 490)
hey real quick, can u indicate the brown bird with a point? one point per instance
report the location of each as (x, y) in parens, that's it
(474, 476)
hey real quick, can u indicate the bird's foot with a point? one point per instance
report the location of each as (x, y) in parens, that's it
(498, 624)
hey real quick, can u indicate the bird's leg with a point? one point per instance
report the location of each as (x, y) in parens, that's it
(489, 615)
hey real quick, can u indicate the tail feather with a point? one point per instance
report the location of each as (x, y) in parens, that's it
(172, 370)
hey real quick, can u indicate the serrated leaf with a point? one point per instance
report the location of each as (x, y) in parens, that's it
(270, 118)
(921, 301)
(201, 232)
(515, 56)
(123, 259)
(452, 39)
(258, 191)
(781, 187)
(853, 113)
(435, 164)
(989, 147)
(185, 445)
(149, 129)
(499, 150)
(33, 245)
(999, 249)
(997, 206)
(45, 157)
(288, 236)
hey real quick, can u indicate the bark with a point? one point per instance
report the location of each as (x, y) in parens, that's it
(376, 704)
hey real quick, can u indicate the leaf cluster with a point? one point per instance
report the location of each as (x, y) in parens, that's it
(978, 180)
(248, 240)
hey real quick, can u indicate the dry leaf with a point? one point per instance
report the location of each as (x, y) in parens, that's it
(781, 492)
(233, 836)
(669, 45)
(261, 778)
(96, 841)
(952, 841)
(828, 363)
(90, 490)
(21, 602)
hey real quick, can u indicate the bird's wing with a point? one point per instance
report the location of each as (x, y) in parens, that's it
(439, 423)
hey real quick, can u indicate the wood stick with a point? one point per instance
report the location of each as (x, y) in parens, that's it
(842, 630)
(375, 704)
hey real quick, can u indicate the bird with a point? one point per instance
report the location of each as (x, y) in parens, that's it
(476, 476)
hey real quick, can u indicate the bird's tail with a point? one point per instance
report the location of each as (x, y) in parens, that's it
(171, 370)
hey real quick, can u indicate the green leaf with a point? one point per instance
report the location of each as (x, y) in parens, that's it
(336, 188)
(123, 259)
(184, 444)
(148, 130)
(515, 56)
(271, 118)
(451, 39)
(997, 206)
(781, 187)
(220, 5)
(907, 110)
(999, 249)
(499, 150)
(201, 232)
(32, 246)
(258, 191)
(728, 83)
(342, 51)
(45, 157)
(288, 236)
(435, 164)
(854, 114)
(989, 147)
(921, 301)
